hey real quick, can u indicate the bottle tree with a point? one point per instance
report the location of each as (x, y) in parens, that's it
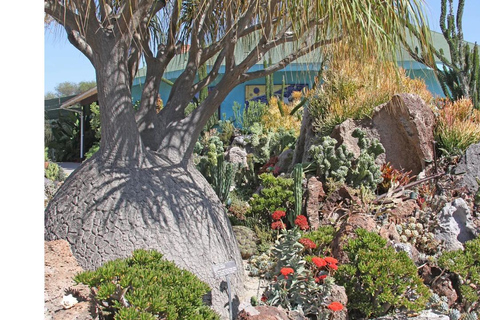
(141, 190)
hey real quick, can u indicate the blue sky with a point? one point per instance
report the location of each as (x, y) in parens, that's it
(65, 63)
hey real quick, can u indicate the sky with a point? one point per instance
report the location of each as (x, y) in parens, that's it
(65, 63)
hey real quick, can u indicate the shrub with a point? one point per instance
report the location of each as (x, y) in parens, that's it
(458, 126)
(268, 144)
(276, 194)
(54, 172)
(392, 178)
(249, 115)
(322, 237)
(378, 279)
(353, 86)
(466, 265)
(145, 286)
(274, 119)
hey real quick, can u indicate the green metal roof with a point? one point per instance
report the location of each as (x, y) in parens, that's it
(242, 49)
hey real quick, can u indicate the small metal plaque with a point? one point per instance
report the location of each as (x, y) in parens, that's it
(221, 270)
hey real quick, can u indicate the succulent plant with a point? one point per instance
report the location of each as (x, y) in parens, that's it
(247, 241)
(340, 164)
(454, 314)
(470, 316)
(261, 265)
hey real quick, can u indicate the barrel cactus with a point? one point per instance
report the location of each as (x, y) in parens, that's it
(247, 241)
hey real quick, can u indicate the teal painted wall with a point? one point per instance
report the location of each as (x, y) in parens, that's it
(293, 74)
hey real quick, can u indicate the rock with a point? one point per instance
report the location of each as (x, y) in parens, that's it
(347, 231)
(389, 232)
(430, 315)
(315, 194)
(429, 273)
(444, 287)
(403, 211)
(247, 241)
(264, 313)
(237, 155)
(338, 294)
(239, 141)
(455, 225)
(403, 123)
(423, 315)
(305, 140)
(343, 134)
(336, 203)
(411, 251)
(60, 289)
(284, 161)
(470, 165)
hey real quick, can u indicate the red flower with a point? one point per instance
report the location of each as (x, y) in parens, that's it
(307, 243)
(279, 214)
(301, 222)
(320, 278)
(277, 225)
(335, 306)
(333, 266)
(286, 272)
(319, 262)
(331, 260)
(264, 299)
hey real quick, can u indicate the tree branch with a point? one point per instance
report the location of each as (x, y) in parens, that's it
(287, 60)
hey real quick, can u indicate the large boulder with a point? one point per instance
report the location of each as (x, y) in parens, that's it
(469, 166)
(403, 123)
(315, 194)
(455, 225)
(63, 298)
(237, 155)
(263, 313)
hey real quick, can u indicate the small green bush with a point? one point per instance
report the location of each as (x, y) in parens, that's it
(466, 265)
(145, 286)
(322, 237)
(54, 172)
(276, 194)
(378, 279)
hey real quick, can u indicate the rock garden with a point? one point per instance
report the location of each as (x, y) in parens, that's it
(350, 201)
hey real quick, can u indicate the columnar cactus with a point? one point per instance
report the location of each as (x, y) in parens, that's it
(460, 75)
(297, 191)
(223, 177)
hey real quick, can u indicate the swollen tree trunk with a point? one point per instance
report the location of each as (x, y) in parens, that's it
(126, 197)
